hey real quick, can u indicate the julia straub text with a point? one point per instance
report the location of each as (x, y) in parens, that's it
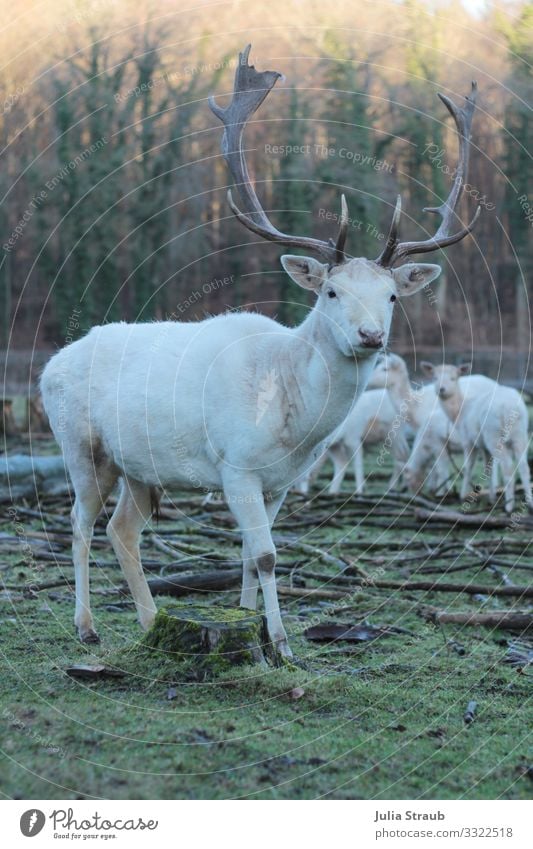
(407, 815)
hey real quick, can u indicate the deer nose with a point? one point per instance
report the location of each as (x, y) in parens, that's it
(371, 338)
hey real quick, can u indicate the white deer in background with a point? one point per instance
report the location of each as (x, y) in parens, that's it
(371, 421)
(435, 441)
(494, 422)
(176, 404)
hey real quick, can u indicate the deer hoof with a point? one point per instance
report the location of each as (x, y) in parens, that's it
(88, 635)
(284, 648)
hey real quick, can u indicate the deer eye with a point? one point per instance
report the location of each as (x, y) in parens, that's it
(332, 293)
(392, 298)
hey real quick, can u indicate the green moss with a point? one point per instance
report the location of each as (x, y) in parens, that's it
(210, 638)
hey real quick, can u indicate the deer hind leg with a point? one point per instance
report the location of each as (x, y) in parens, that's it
(133, 510)
(93, 478)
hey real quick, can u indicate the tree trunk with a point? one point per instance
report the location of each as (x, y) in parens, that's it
(213, 638)
(7, 420)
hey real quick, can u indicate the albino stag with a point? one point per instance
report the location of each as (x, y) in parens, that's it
(237, 402)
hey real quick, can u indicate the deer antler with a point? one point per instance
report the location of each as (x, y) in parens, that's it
(394, 249)
(250, 89)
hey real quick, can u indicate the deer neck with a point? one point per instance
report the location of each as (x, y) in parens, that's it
(323, 382)
(452, 406)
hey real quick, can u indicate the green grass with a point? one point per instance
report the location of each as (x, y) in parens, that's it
(380, 720)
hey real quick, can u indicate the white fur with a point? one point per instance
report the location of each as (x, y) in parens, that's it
(370, 422)
(493, 421)
(436, 438)
(237, 402)
(414, 407)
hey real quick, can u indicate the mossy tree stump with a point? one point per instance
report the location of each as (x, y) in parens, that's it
(213, 638)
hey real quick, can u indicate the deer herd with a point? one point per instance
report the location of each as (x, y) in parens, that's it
(163, 404)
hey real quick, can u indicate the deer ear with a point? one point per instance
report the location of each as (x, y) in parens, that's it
(464, 368)
(412, 276)
(427, 369)
(306, 272)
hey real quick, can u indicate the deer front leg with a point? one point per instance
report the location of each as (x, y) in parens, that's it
(249, 580)
(340, 461)
(468, 467)
(254, 516)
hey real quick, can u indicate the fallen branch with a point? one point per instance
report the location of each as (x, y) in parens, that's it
(506, 619)
(294, 592)
(477, 520)
(24, 476)
(436, 586)
(178, 585)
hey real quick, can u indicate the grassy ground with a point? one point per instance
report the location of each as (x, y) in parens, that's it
(382, 719)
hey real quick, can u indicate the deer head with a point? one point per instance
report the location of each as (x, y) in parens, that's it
(390, 371)
(355, 295)
(446, 377)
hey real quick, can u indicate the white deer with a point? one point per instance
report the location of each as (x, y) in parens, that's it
(414, 407)
(437, 439)
(371, 421)
(494, 422)
(177, 404)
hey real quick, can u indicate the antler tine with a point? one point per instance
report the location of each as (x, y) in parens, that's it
(385, 257)
(444, 236)
(343, 232)
(250, 90)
